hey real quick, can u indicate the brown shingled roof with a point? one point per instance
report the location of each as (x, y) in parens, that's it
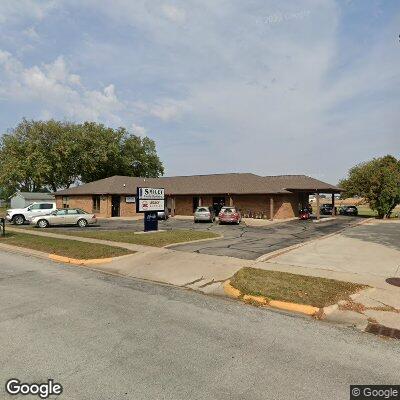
(233, 183)
(300, 182)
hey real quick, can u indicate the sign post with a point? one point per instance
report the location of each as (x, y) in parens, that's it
(3, 226)
(149, 201)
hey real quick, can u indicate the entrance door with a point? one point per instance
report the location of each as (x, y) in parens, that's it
(115, 203)
(218, 203)
(195, 202)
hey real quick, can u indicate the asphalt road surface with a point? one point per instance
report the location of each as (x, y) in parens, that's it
(105, 337)
(239, 241)
(252, 242)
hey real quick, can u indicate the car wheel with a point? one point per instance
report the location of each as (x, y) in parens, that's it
(18, 219)
(82, 223)
(42, 223)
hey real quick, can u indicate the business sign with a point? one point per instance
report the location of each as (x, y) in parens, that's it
(150, 200)
(130, 199)
(151, 193)
(151, 205)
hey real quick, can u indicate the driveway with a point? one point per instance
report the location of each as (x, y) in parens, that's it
(370, 249)
(104, 337)
(249, 243)
(240, 241)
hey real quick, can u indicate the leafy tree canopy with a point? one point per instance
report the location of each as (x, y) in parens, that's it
(53, 154)
(378, 181)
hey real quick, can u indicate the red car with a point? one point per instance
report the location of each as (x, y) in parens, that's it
(229, 215)
(304, 214)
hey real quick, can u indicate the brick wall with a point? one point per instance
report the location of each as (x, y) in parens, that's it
(285, 206)
(183, 205)
(256, 203)
(127, 209)
(85, 202)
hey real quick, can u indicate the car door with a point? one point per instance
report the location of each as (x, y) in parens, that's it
(58, 218)
(33, 211)
(72, 216)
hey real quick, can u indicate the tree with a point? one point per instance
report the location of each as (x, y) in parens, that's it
(53, 154)
(378, 181)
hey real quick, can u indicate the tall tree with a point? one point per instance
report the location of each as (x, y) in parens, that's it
(53, 154)
(378, 181)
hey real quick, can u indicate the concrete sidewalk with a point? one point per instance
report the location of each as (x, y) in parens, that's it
(164, 265)
(367, 254)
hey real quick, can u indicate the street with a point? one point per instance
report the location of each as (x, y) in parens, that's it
(107, 337)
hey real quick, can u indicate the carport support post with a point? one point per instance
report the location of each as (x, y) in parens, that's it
(333, 204)
(173, 207)
(317, 198)
(271, 208)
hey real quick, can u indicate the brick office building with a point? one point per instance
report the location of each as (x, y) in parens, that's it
(272, 197)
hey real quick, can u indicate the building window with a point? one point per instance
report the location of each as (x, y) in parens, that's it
(65, 201)
(96, 203)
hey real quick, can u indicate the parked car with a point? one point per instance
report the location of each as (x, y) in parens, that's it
(229, 215)
(65, 216)
(304, 214)
(204, 214)
(348, 210)
(19, 216)
(326, 209)
(163, 214)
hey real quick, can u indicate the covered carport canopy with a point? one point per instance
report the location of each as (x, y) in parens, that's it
(306, 185)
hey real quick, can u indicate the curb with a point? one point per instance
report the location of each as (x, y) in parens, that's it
(58, 258)
(264, 301)
(276, 253)
(76, 261)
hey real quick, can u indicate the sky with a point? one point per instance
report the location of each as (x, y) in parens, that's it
(270, 87)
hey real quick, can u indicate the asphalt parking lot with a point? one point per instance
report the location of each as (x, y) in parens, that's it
(252, 242)
(239, 241)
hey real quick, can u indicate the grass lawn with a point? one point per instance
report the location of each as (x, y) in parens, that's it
(67, 248)
(317, 292)
(157, 239)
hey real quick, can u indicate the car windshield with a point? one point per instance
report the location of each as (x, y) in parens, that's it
(202, 209)
(228, 210)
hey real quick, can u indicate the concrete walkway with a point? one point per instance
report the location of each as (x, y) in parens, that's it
(163, 265)
(367, 254)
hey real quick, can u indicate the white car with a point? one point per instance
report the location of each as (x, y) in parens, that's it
(19, 216)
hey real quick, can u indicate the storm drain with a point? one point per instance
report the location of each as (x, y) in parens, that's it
(393, 281)
(381, 330)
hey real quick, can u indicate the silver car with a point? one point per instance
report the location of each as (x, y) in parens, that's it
(204, 214)
(65, 216)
